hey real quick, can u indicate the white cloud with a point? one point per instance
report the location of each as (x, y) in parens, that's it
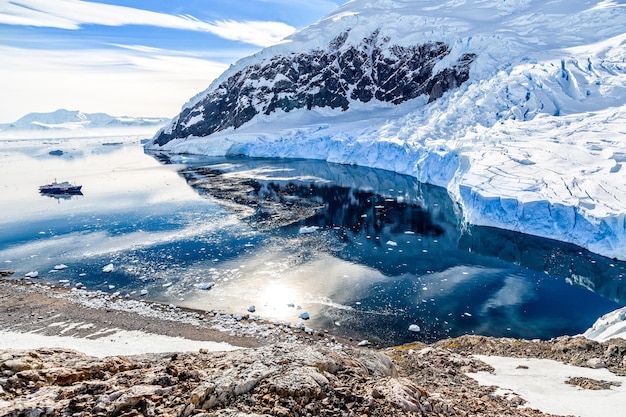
(135, 81)
(253, 32)
(71, 14)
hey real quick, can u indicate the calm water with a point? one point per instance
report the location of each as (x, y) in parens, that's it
(365, 252)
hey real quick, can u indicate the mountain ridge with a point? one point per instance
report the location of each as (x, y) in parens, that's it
(63, 119)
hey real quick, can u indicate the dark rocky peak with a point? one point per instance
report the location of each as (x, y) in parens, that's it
(374, 69)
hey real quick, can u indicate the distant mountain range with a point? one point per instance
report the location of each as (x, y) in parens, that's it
(76, 120)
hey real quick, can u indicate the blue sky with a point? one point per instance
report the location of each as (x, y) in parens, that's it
(131, 57)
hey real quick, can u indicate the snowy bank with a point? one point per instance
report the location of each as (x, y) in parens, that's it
(609, 326)
(121, 342)
(533, 379)
(532, 141)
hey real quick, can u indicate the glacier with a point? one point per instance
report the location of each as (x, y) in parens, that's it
(531, 138)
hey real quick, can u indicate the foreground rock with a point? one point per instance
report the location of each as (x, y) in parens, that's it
(280, 380)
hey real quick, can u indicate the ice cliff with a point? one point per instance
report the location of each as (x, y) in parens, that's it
(515, 106)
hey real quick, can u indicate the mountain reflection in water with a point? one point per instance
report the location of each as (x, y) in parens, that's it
(410, 259)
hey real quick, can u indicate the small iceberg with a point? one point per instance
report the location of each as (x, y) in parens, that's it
(31, 274)
(305, 230)
(414, 328)
(60, 267)
(205, 285)
(108, 268)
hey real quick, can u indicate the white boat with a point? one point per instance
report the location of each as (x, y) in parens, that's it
(64, 187)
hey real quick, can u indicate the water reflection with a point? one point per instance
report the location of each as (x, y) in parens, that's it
(63, 196)
(370, 252)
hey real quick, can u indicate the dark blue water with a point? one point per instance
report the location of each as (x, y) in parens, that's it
(365, 252)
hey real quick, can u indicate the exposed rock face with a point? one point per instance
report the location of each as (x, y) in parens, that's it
(372, 70)
(274, 380)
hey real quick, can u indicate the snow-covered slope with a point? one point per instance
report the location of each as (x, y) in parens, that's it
(76, 120)
(516, 106)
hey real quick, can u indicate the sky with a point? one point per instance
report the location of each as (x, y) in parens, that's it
(132, 57)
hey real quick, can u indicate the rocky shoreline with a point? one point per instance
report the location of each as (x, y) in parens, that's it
(282, 371)
(47, 309)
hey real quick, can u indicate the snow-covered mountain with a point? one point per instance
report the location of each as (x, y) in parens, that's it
(517, 107)
(76, 120)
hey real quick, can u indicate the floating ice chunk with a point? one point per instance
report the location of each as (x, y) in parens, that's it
(143, 292)
(111, 287)
(467, 314)
(252, 309)
(305, 316)
(107, 268)
(205, 285)
(82, 274)
(167, 284)
(391, 243)
(31, 274)
(414, 328)
(79, 285)
(307, 230)
(60, 267)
